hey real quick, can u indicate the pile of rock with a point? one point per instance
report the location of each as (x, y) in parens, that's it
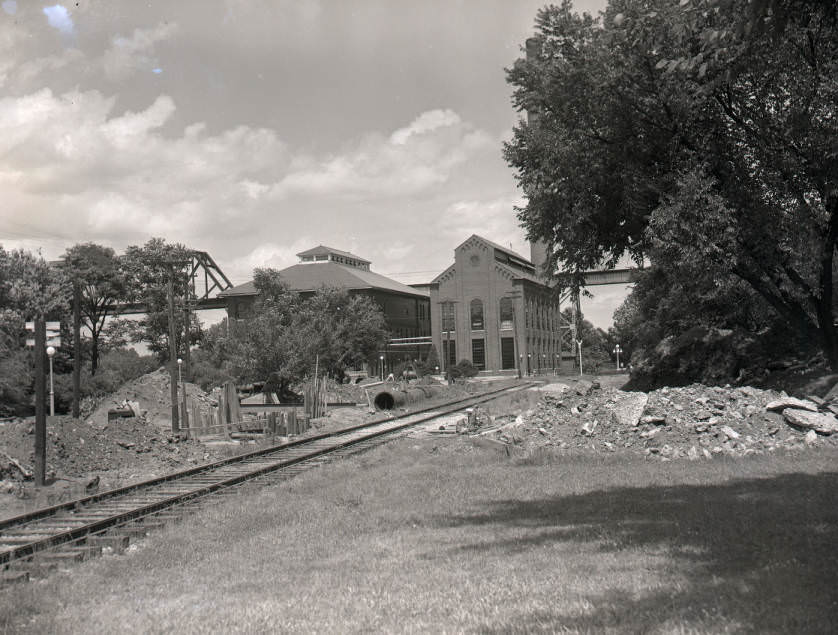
(686, 422)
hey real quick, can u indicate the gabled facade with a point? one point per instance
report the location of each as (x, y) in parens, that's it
(491, 308)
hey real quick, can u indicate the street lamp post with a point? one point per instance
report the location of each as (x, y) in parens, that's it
(579, 343)
(381, 366)
(184, 417)
(618, 350)
(50, 353)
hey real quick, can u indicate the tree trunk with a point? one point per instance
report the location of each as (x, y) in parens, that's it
(94, 352)
(826, 320)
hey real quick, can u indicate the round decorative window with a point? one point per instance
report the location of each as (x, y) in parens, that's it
(474, 259)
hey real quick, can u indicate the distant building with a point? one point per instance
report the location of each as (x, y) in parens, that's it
(406, 309)
(492, 308)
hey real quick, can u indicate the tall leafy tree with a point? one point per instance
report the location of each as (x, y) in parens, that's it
(287, 336)
(147, 269)
(29, 288)
(682, 133)
(97, 272)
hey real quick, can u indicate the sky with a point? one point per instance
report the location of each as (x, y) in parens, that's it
(255, 129)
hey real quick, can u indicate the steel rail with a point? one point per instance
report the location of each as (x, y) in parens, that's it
(261, 461)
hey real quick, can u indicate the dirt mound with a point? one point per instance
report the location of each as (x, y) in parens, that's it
(686, 422)
(75, 449)
(151, 397)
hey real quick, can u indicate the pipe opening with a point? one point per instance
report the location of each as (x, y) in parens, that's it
(384, 401)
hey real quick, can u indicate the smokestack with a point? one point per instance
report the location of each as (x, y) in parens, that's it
(538, 257)
(533, 49)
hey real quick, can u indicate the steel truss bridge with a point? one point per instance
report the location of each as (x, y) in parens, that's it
(204, 281)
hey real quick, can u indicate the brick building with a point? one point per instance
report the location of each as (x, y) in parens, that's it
(406, 310)
(491, 308)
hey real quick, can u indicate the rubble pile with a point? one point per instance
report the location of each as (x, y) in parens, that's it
(689, 422)
(148, 397)
(75, 449)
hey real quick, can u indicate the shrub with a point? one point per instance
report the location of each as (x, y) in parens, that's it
(463, 368)
(206, 373)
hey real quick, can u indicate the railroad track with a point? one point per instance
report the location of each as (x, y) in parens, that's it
(38, 541)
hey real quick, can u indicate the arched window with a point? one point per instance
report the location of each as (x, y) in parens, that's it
(476, 314)
(506, 309)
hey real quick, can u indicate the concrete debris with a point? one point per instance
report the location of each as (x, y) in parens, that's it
(816, 421)
(811, 437)
(628, 407)
(729, 432)
(691, 422)
(589, 426)
(778, 405)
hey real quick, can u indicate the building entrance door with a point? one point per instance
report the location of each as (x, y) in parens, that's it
(507, 353)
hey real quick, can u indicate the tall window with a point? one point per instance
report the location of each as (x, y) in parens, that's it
(476, 314)
(478, 354)
(448, 323)
(506, 309)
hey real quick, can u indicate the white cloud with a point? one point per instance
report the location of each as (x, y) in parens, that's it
(59, 18)
(426, 122)
(10, 6)
(131, 127)
(127, 55)
(117, 176)
(30, 69)
(411, 160)
(270, 254)
(72, 169)
(494, 219)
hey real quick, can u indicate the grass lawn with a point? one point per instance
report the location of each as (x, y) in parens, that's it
(437, 536)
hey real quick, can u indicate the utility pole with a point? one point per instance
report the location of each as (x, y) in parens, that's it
(185, 337)
(40, 406)
(76, 349)
(188, 286)
(173, 352)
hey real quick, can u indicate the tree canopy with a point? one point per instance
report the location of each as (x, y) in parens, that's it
(146, 269)
(693, 135)
(97, 273)
(288, 335)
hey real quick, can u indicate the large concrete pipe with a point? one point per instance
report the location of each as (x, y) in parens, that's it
(390, 397)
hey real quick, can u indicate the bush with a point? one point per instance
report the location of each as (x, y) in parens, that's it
(206, 373)
(116, 367)
(464, 368)
(16, 378)
(429, 365)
